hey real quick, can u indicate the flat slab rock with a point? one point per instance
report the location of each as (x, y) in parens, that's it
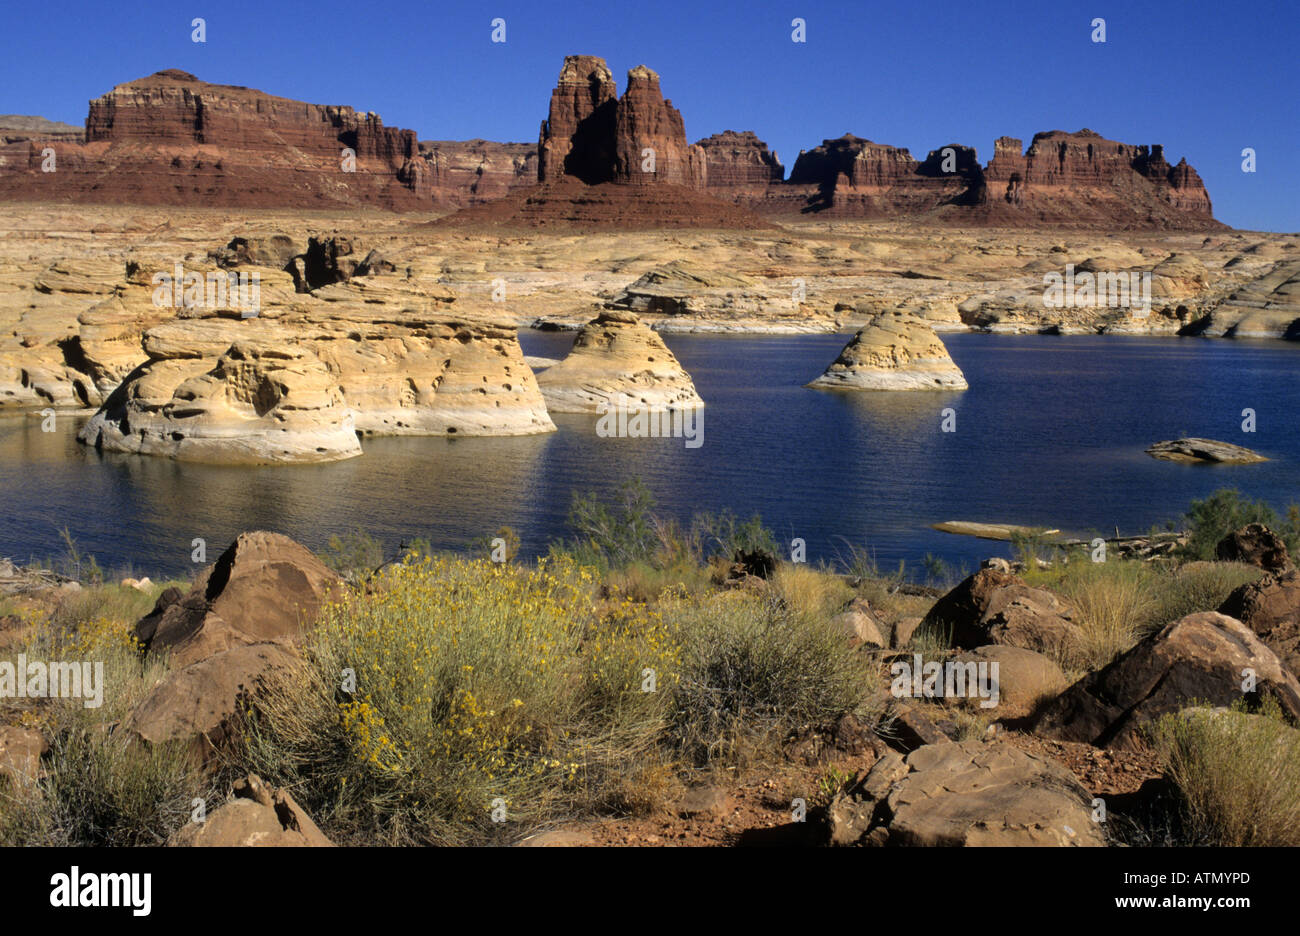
(1204, 450)
(967, 794)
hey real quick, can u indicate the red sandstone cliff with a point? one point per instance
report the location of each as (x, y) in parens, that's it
(1085, 177)
(739, 163)
(173, 139)
(577, 137)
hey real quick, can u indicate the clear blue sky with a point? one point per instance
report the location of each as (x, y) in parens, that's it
(1205, 79)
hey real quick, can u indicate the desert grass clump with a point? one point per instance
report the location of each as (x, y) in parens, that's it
(459, 690)
(1113, 604)
(119, 604)
(98, 785)
(807, 592)
(1196, 586)
(753, 671)
(1238, 773)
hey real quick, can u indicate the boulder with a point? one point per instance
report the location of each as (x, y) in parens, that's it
(1024, 676)
(264, 587)
(1257, 545)
(1201, 658)
(200, 704)
(893, 352)
(614, 358)
(997, 607)
(255, 815)
(274, 251)
(967, 794)
(860, 625)
(1271, 609)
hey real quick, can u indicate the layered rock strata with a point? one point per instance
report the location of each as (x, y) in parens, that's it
(893, 352)
(615, 357)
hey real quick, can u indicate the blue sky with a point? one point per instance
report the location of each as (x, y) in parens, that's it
(1205, 79)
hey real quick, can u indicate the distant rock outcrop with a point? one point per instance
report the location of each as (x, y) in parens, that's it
(577, 137)
(19, 128)
(1083, 177)
(893, 352)
(1075, 179)
(739, 165)
(650, 137)
(467, 172)
(616, 356)
(173, 139)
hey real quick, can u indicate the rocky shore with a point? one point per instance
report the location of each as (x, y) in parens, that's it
(1020, 757)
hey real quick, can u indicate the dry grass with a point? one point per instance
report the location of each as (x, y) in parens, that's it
(1239, 774)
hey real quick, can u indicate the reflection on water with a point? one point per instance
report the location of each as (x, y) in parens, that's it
(1051, 432)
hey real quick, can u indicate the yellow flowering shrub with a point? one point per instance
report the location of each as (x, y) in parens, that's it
(457, 687)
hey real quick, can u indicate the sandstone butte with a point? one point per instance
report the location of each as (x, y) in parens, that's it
(893, 352)
(616, 356)
(173, 139)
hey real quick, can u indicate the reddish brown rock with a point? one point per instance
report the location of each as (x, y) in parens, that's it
(201, 704)
(577, 137)
(1198, 659)
(1083, 178)
(650, 137)
(20, 754)
(172, 139)
(263, 587)
(1271, 608)
(995, 607)
(1257, 545)
(468, 172)
(739, 162)
(856, 177)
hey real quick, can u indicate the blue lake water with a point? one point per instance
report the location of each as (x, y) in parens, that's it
(1051, 432)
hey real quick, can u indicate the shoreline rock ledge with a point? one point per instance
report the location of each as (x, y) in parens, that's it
(893, 351)
(615, 355)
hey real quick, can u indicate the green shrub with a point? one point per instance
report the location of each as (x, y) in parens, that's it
(1210, 520)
